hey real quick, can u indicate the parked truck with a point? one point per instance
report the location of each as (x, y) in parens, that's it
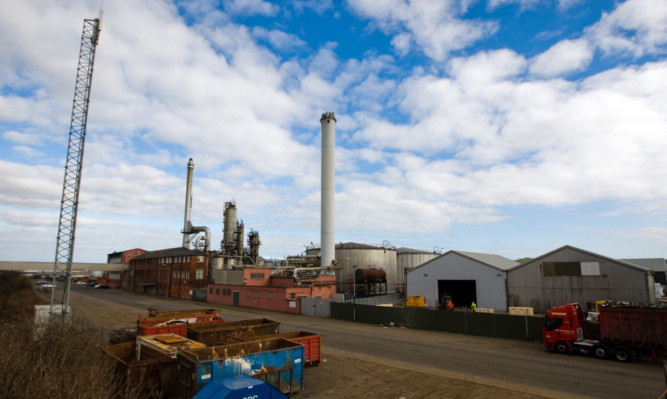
(624, 331)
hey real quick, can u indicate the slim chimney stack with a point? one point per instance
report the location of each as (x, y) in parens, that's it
(327, 238)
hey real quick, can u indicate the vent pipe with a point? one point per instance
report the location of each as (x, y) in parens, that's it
(327, 238)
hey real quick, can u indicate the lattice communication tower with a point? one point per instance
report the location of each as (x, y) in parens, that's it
(74, 162)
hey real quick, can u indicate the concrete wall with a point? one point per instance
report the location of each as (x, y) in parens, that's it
(490, 282)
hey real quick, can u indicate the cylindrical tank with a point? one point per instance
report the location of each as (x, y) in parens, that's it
(229, 227)
(239, 238)
(217, 263)
(327, 237)
(353, 256)
(253, 244)
(407, 258)
(370, 275)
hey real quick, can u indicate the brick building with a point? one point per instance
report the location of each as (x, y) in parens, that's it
(118, 278)
(259, 289)
(173, 272)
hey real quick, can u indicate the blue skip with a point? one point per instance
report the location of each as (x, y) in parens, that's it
(240, 387)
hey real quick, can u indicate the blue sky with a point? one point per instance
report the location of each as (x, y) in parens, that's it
(510, 127)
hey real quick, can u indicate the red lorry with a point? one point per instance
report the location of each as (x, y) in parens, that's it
(624, 332)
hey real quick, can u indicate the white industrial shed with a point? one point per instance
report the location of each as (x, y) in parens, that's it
(570, 274)
(465, 277)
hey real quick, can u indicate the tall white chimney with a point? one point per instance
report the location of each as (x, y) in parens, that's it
(327, 238)
(187, 225)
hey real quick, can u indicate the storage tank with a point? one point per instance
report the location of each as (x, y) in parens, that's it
(407, 259)
(228, 244)
(352, 256)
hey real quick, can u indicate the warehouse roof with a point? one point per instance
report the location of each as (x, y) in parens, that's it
(491, 260)
(592, 254)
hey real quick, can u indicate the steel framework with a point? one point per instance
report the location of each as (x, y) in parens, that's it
(72, 180)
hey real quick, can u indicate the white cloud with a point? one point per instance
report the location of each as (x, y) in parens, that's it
(637, 27)
(563, 57)
(22, 138)
(250, 7)
(433, 26)
(523, 3)
(417, 154)
(529, 4)
(279, 39)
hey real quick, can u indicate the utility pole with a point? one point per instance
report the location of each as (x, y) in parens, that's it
(74, 162)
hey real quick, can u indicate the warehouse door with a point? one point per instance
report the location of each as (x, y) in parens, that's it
(462, 292)
(235, 298)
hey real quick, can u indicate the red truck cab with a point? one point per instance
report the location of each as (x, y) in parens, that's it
(623, 331)
(563, 326)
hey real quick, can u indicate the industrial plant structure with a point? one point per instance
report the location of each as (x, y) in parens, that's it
(234, 274)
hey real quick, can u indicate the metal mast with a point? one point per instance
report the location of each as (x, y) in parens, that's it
(74, 162)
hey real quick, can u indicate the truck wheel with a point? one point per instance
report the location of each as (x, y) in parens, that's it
(601, 351)
(561, 347)
(623, 354)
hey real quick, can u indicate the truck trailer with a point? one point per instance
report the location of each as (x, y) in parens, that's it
(624, 332)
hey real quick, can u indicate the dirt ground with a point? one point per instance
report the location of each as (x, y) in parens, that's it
(339, 375)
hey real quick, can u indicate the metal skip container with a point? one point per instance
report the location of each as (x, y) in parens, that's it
(165, 344)
(232, 331)
(312, 344)
(276, 361)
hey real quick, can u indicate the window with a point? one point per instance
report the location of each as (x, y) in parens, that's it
(259, 276)
(200, 259)
(561, 269)
(269, 295)
(199, 274)
(292, 296)
(552, 323)
(590, 268)
(217, 291)
(210, 290)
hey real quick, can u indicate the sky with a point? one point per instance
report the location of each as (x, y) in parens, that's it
(509, 127)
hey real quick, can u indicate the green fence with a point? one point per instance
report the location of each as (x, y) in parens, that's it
(484, 324)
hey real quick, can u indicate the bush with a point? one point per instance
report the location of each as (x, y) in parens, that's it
(57, 360)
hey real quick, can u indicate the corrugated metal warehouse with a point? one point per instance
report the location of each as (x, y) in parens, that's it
(570, 274)
(465, 277)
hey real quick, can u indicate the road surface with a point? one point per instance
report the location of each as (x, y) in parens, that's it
(514, 365)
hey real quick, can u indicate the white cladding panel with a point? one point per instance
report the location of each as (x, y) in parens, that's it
(410, 260)
(489, 281)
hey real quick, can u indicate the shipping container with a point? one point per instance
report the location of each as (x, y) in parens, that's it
(312, 344)
(166, 344)
(229, 332)
(276, 361)
(154, 375)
